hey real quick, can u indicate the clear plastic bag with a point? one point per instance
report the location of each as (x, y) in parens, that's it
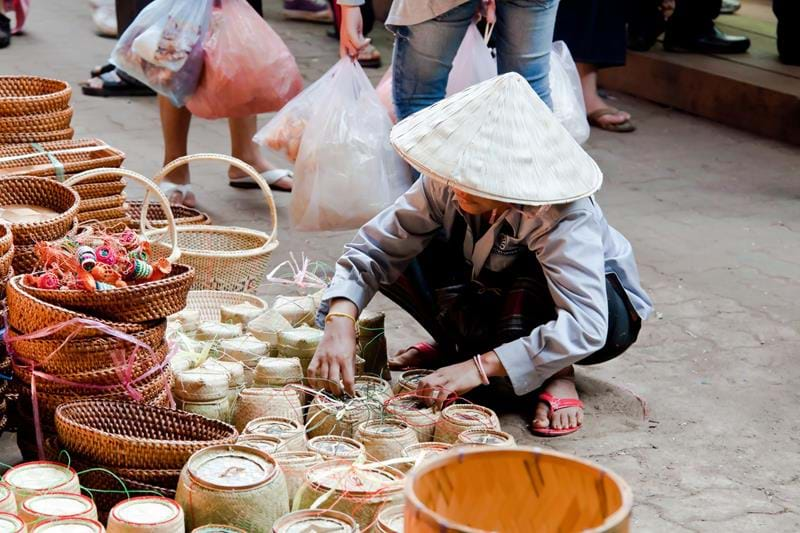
(384, 90)
(247, 68)
(567, 94)
(473, 63)
(163, 47)
(346, 171)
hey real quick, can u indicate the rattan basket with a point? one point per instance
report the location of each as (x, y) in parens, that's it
(479, 490)
(25, 259)
(22, 190)
(5, 262)
(110, 201)
(6, 237)
(102, 215)
(14, 137)
(184, 216)
(137, 436)
(58, 159)
(225, 258)
(209, 303)
(91, 191)
(30, 95)
(41, 122)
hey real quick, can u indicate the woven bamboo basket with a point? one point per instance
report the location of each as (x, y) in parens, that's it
(150, 514)
(409, 380)
(30, 95)
(137, 436)
(278, 372)
(373, 388)
(12, 523)
(294, 466)
(334, 447)
(217, 528)
(8, 504)
(486, 437)
(385, 439)
(266, 443)
(6, 238)
(40, 477)
(82, 525)
(208, 303)
(233, 485)
(36, 137)
(419, 453)
(60, 159)
(184, 216)
(329, 416)
(257, 403)
(41, 122)
(22, 190)
(360, 491)
(479, 490)
(107, 491)
(390, 519)
(316, 520)
(290, 432)
(91, 191)
(225, 258)
(461, 417)
(409, 408)
(25, 259)
(104, 216)
(57, 505)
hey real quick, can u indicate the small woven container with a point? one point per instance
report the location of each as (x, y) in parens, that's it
(6, 238)
(409, 380)
(42, 192)
(390, 519)
(464, 491)
(219, 409)
(301, 342)
(486, 437)
(60, 159)
(8, 504)
(59, 505)
(461, 417)
(288, 430)
(409, 409)
(266, 443)
(372, 342)
(39, 123)
(217, 528)
(31, 95)
(233, 485)
(209, 303)
(11, 523)
(40, 477)
(294, 466)
(277, 372)
(225, 258)
(36, 137)
(257, 403)
(146, 514)
(184, 216)
(360, 491)
(71, 525)
(316, 520)
(329, 416)
(385, 439)
(202, 384)
(137, 436)
(332, 447)
(267, 327)
(373, 388)
(419, 453)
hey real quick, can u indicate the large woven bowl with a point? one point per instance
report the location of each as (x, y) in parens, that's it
(58, 159)
(42, 122)
(137, 436)
(91, 191)
(14, 137)
(44, 193)
(225, 258)
(31, 95)
(209, 303)
(481, 490)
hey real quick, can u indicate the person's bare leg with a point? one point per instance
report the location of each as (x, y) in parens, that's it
(588, 73)
(243, 147)
(561, 385)
(175, 122)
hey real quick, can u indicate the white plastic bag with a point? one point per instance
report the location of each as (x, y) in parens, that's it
(163, 47)
(473, 63)
(566, 93)
(346, 171)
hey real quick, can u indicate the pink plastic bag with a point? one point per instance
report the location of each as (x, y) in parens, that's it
(384, 89)
(247, 70)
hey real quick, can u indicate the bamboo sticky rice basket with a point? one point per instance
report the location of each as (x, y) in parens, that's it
(146, 514)
(331, 416)
(486, 437)
(57, 505)
(335, 447)
(481, 490)
(311, 521)
(257, 403)
(40, 477)
(461, 417)
(409, 408)
(390, 520)
(385, 439)
(12, 523)
(294, 466)
(32, 95)
(290, 432)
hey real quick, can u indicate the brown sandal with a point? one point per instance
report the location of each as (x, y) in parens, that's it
(622, 127)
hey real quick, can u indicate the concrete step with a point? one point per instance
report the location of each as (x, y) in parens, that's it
(752, 91)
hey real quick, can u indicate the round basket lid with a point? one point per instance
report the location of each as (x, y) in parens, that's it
(231, 467)
(10, 523)
(5, 492)
(297, 458)
(412, 378)
(39, 475)
(342, 476)
(469, 415)
(302, 337)
(235, 371)
(69, 525)
(216, 528)
(391, 518)
(312, 521)
(202, 379)
(333, 446)
(146, 511)
(58, 504)
(384, 428)
(277, 366)
(272, 425)
(488, 437)
(266, 443)
(426, 448)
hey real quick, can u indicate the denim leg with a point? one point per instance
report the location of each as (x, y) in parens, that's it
(524, 36)
(423, 57)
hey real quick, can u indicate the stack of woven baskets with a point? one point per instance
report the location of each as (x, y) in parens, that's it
(6, 271)
(34, 110)
(73, 344)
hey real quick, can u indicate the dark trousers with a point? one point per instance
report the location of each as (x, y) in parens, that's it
(594, 30)
(788, 13)
(693, 18)
(469, 317)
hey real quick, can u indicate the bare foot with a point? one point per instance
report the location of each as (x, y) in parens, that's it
(561, 385)
(180, 176)
(412, 358)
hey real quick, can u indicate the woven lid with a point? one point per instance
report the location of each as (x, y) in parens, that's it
(58, 504)
(470, 415)
(278, 367)
(498, 140)
(217, 528)
(390, 519)
(315, 521)
(304, 337)
(39, 475)
(411, 378)
(240, 313)
(371, 386)
(266, 443)
(297, 458)
(277, 426)
(211, 330)
(424, 449)
(10, 523)
(146, 510)
(201, 383)
(295, 308)
(231, 467)
(343, 476)
(268, 322)
(386, 429)
(334, 446)
(235, 370)
(487, 437)
(244, 348)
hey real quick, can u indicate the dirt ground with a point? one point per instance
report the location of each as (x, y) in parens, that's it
(700, 416)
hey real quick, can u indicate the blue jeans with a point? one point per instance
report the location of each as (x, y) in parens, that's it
(424, 53)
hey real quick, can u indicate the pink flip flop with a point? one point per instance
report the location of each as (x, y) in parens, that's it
(556, 404)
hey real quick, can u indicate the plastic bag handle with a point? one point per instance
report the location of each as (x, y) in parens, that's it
(249, 170)
(149, 186)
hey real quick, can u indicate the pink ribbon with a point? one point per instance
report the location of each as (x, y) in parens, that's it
(123, 367)
(301, 275)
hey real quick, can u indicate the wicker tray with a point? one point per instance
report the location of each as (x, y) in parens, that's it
(155, 215)
(45, 193)
(73, 156)
(30, 95)
(42, 122)
(102, 215)
(36, 137)
(137, 436)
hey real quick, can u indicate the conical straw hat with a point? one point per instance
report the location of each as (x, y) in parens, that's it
(498, 140)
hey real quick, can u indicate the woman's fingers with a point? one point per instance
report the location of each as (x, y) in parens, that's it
(348, 377)
(334, 377)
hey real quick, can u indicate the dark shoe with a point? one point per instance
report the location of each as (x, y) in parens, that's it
(715, 42)
(308, 10)
(5, 31)
(729, 7)
(114, 82)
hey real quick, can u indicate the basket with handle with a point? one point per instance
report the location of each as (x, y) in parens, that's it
(135, 303)
(41, 122)
(30, 95)
(224, 258)
(42, 192)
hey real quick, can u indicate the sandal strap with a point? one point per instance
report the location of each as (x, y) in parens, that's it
(426, 348)
(556, 404)
(167, 187)
(602, 112)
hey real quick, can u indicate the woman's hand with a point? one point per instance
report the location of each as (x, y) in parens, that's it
(351, 32)
(334, 361)
(448, 381)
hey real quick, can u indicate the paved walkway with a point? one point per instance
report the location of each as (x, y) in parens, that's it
(714, 216)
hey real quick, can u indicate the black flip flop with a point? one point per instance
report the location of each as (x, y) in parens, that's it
(117, 83)
(98, 71)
